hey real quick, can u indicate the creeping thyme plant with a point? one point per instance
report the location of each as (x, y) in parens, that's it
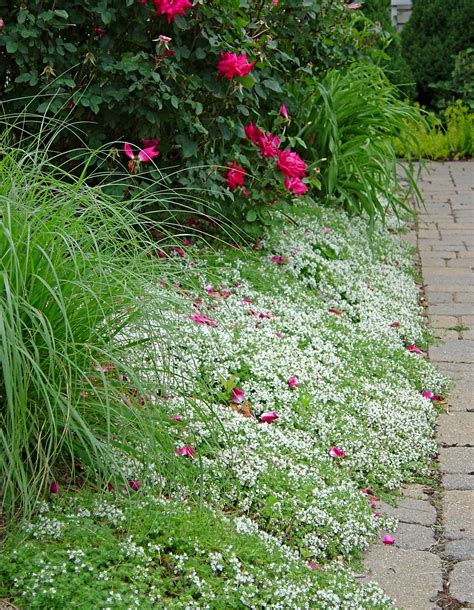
(299, 394)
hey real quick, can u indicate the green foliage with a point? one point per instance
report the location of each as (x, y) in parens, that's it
(73, 265)
(436, 32)
(449, 136)
(461, 84)
(148, 552)
(104, 65)
(396, 67)
(348, 128)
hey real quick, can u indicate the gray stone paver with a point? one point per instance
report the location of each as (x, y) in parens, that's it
(411, 570)
(458, 514)
(456, 429)
(457, 460)
(411, 578)
(462, 582)
(410, 510)
(457, 481)
(460, 549)
(412, 536)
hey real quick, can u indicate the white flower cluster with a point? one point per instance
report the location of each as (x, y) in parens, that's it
(335, 312)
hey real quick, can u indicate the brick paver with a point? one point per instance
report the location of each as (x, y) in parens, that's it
(445, 243)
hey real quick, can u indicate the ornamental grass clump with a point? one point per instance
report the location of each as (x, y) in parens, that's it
(73, 271)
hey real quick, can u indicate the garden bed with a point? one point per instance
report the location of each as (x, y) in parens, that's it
(291, 388)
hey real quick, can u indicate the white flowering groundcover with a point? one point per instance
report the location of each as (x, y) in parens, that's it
(294, 396)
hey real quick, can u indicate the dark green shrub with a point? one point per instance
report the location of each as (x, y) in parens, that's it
(396, 67)
(130, 74)
(436, 32)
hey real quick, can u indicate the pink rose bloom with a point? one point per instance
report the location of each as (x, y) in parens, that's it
(187, 451)
(164, 39)
(235, 175)
(293, 383)
(268, 417)
(336, 452)
(144, 155)
(388, 539)
(171, 8)
(291, 164)
(283, 111)
(134, 484)
(295, 185)
(269, 145)
(238, 396)
(232, 65)
(253, 133)
(199, 318)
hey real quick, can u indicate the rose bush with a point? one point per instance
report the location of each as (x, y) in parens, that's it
(189, 74)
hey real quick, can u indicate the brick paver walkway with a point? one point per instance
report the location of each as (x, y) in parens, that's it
(432, 564)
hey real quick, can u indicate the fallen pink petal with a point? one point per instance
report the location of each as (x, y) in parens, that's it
(293, 383)
(238, 395)
(53, 488)
(387, 539)
(187, 451)
(337, 452)
(203, 320)
(134, 484)
(268, 417)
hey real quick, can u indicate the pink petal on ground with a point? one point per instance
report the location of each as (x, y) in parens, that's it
(187, 451)
(313, 566)
(134, 484)
(268, 417)
(202, 319)
(177, 417)
(238, 396)
(293, 383)
(388, 539)
(337, 452)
